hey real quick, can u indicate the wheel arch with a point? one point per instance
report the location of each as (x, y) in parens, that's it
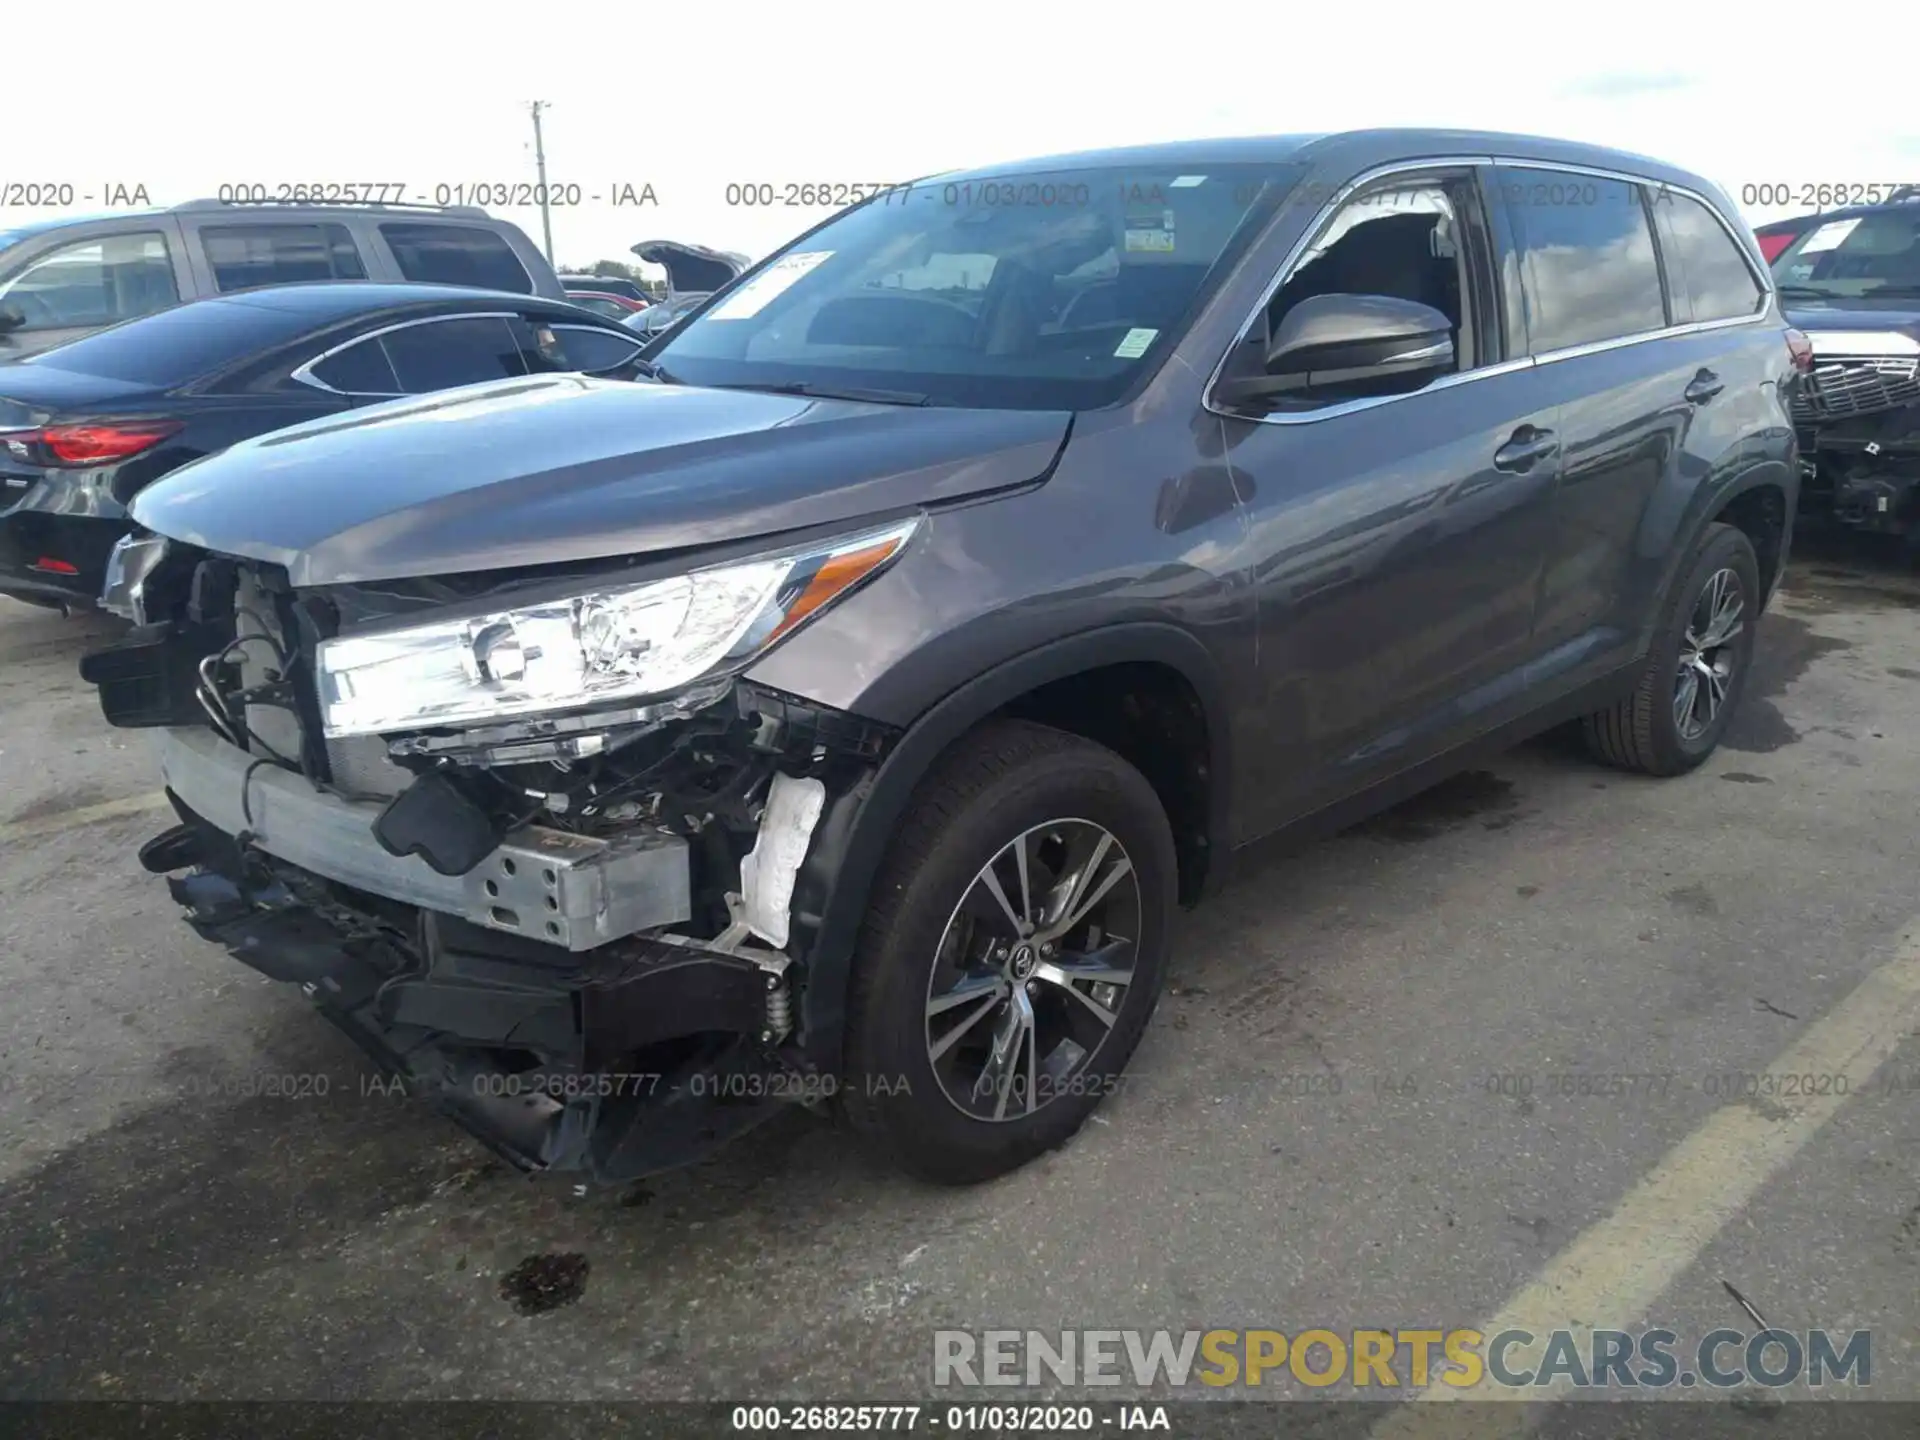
(1759, 503)
(833, 887)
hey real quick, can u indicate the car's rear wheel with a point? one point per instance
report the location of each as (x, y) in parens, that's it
(1696, 669)
(1012, 956)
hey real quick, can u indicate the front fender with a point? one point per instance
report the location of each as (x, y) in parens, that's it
(835, 883)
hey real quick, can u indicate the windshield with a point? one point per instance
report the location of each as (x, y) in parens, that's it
(1855, 258)
(1045, 291)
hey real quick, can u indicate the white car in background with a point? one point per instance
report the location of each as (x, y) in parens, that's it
(693, 273)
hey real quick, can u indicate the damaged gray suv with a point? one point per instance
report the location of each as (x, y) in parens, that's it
(839, 715)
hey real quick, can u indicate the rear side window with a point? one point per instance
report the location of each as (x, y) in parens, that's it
(457, 255)
(593, 351)
(92, 282)
(361, 369)
(1705, 262)
(1587, 264)
(442, 353)
(246, 256)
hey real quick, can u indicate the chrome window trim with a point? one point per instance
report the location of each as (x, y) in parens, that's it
(1620, 342)
(629, 336)
(1505, 367)
(304, 372)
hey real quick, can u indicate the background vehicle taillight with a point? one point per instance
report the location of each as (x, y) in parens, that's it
(87, 444)
(1800, 348)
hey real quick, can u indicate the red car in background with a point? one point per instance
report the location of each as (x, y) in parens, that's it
(607, 295)
(1780, 234)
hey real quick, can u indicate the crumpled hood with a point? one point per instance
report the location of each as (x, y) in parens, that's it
(555, 468)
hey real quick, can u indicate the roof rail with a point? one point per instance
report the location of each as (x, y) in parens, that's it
(459, 212)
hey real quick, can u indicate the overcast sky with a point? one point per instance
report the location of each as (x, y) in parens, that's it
(841, 91)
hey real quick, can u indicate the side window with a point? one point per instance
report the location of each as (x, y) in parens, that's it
(457, 255)
(361, 369)
(1587, 263)
(246, 256)
(1405, 240)
(1705, 261)
(92, 282)
(438, 354)
(590, 351)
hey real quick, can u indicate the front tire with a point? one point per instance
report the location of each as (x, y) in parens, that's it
(1696, 669)
(1012, 956)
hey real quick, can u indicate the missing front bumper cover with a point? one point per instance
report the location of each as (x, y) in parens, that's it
(620, 1063)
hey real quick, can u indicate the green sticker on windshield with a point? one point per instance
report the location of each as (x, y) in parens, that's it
(1135, 345)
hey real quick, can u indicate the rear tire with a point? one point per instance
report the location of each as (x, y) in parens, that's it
(981, 1034)
(1688, 691)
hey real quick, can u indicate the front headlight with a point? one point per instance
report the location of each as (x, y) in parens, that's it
(617, 643)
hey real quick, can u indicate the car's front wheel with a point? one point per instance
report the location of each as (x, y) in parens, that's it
(1696, 669)
(1012, 955)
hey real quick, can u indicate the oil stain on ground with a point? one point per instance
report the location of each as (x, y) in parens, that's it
(1470, 795)
(541, 1283)
(1784, 651)
(1696, 899)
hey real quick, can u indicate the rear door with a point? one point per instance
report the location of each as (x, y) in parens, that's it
(1611, 332)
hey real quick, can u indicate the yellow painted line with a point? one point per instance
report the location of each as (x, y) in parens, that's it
(82, 815)
(1611, 1275)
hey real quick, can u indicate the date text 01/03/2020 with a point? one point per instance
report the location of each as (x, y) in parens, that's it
(502, 194)
(952, 1419)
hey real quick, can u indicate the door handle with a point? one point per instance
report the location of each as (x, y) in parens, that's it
(1526, 448)
(1703, 387)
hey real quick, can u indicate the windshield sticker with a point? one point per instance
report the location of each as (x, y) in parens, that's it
(1135, 345)
(1829, 236)
(1150, 241)
(757, 293)
(1186, 182)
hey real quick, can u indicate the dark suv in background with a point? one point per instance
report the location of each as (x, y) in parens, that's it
(841, 716)
(67, 277)
(1851, 281)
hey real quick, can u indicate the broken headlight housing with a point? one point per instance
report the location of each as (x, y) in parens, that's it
(615, 643)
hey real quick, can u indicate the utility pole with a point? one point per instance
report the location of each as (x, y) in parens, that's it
(540, 161)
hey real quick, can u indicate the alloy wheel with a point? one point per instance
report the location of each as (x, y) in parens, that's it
(1708, 655)
(1032, 970)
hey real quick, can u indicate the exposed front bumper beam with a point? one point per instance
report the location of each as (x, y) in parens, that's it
(573, 891)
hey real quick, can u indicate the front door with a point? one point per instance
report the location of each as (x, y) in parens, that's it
(1396, 539)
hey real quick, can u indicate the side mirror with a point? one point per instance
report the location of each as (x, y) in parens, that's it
(1330, 340)
(12, 317)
